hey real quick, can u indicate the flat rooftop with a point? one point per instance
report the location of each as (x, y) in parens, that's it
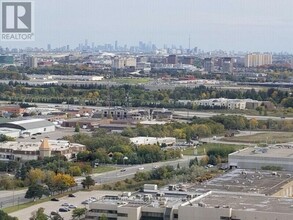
(275, 151)
(137, 200)
(245, 202)
(246, 181)
(56, 145)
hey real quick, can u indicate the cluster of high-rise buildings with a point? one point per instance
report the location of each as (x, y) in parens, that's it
(258, 59)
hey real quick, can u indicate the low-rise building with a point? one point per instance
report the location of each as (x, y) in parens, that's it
(280, 156)
(30, 126)
(161, 114)
(168, 141)
(210, 205)
(119, 113)
(25, 151)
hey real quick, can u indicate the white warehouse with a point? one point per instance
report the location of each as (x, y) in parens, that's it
(31, 126)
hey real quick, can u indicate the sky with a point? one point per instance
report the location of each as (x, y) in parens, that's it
(239, 25)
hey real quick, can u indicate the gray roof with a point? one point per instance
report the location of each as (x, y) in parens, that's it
(27, 124)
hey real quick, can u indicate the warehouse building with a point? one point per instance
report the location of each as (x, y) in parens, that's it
(31, 126)
(280, 156)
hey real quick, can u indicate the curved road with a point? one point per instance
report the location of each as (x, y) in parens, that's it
(11, 198)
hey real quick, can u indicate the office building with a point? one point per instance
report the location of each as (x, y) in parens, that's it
(258, 59)
(117, 63)
(172, 59)
(227, 65)
(26, 151)
(208, 65)
(32, 62)
(6, 60)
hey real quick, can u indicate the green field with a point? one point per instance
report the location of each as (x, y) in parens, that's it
(131, 81)
(201, 150)
(261, 138)
(103, 169)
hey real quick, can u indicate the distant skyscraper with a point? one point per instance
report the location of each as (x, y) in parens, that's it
(49, 47)
(32, 62)
(67, 47)
(208, 65)
(116, 45)
(86, 44)
(258, 59)
(227, 65)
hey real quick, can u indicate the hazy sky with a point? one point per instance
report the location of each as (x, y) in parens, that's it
(246, 25)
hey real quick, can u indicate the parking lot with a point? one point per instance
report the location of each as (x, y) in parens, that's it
(50, 206)
(58, 134)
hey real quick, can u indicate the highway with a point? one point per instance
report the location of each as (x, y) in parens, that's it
(16, 197)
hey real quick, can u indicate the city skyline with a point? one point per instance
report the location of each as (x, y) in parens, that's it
(232, 25)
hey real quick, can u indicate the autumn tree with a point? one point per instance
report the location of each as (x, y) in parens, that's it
(35, 176)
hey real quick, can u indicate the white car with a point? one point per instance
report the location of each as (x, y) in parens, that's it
(141, 168)
(72, 207)
(65, 204)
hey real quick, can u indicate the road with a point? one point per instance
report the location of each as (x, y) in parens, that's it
(186, 114)
(218, 140)
(190, 114)
(10, 198)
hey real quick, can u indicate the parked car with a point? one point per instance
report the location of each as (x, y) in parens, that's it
(71, 195)
(72, 207)
(55, 199)
(65, 204)
(141, 168)
(64, 210)
(86, 202)
(122, 170)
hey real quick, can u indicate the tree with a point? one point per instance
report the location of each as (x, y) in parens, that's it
(87, 182)
(212, 160)
(78, 213)
(5, 216)
(35, 176)
(36, 191)
(193, 162)
(77, 128)
(39, 215)
(62, 182)
(103, 217)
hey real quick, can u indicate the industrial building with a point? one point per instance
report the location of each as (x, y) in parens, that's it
(210, 205)
(31, 126)
(280, 156)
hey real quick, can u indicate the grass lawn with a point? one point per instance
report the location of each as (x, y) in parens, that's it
(201, 150)
(270, 138)
(103, 169)
(131, 80)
